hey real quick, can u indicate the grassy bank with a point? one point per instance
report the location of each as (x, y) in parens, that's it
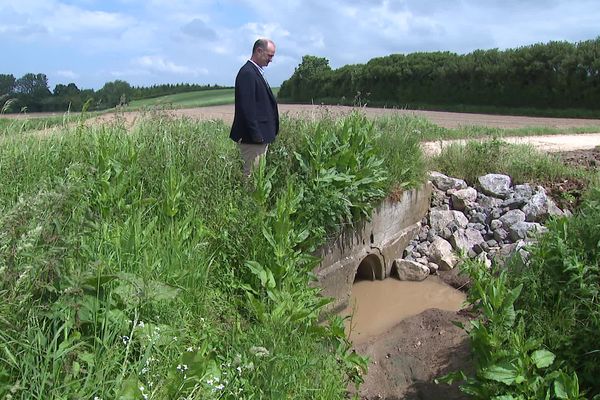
(428, 131)
(11, 126)
(460, 108)
(141, 264)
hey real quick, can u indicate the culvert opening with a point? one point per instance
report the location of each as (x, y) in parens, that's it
(369, 269)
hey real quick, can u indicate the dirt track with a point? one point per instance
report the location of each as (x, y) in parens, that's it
(549, 143)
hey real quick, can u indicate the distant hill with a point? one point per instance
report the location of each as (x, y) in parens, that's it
(201, 98)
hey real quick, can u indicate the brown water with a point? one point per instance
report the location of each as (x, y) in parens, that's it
(379, 305)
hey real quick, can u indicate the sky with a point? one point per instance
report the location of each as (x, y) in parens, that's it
(91, 42)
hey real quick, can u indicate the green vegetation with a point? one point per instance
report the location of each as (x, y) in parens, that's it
(426, 130)
(563, 296)
(200, 98)
(10, 126)
(521, 162)
(141, 264)
(31, 93)
(510, 363)
(556, 77)
(536, 335)
(187, 100)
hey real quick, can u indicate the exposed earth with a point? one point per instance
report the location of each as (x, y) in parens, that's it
(405, 360)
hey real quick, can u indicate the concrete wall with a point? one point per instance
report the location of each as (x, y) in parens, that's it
(372, 245)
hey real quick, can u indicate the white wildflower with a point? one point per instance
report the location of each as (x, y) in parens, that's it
(259, 351)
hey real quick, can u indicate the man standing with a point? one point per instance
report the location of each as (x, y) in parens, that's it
(256, 118)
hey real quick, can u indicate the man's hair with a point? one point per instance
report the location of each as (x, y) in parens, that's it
(260, 44)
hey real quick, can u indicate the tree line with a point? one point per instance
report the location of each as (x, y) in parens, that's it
(31, 93)
(556, 74)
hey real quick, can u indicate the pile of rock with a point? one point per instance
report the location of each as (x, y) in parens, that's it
(491, 222)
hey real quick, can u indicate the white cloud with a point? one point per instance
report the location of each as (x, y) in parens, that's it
(70, 19)
(155, 40)
(160, 64)
(58, 21)
(68, 74)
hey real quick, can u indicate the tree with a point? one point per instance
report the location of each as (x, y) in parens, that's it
(7, 84)
(114, 93)
(304, 81)
(31, 90)
(7, 88)
(67, 97)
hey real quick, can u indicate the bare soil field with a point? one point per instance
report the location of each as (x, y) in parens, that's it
(444, 119)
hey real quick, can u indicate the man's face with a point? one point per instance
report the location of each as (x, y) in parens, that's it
(265, 56)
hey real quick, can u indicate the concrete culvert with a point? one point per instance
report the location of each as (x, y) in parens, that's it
(370, 268)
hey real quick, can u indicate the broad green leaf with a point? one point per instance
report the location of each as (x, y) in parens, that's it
(99, 280)
(88, 358)
(559, 390)
(542, 358)
(504, 373)
(160, 291)
(265, 276)
(130, 389)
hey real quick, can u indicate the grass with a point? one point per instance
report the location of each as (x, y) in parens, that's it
(469, 108)
(520, 161)
(141, 264)
(32, 122)
(428, 131)
(201, 98)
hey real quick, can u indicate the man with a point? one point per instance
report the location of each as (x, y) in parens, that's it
(256, 118)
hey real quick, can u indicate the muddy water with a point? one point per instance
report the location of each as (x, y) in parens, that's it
(379, 305)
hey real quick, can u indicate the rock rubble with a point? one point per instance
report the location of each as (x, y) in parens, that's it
(491, 222)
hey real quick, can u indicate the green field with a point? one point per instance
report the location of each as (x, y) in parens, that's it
(201, 98)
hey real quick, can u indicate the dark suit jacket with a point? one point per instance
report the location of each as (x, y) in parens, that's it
(256, 118)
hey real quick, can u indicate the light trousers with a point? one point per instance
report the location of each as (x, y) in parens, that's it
(251, 154)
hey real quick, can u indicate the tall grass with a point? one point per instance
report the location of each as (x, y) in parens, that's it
(141, 264)
(522, 162)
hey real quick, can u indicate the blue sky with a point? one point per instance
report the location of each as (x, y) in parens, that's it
(91, 42)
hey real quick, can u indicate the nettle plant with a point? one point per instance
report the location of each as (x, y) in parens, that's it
(510, 364)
